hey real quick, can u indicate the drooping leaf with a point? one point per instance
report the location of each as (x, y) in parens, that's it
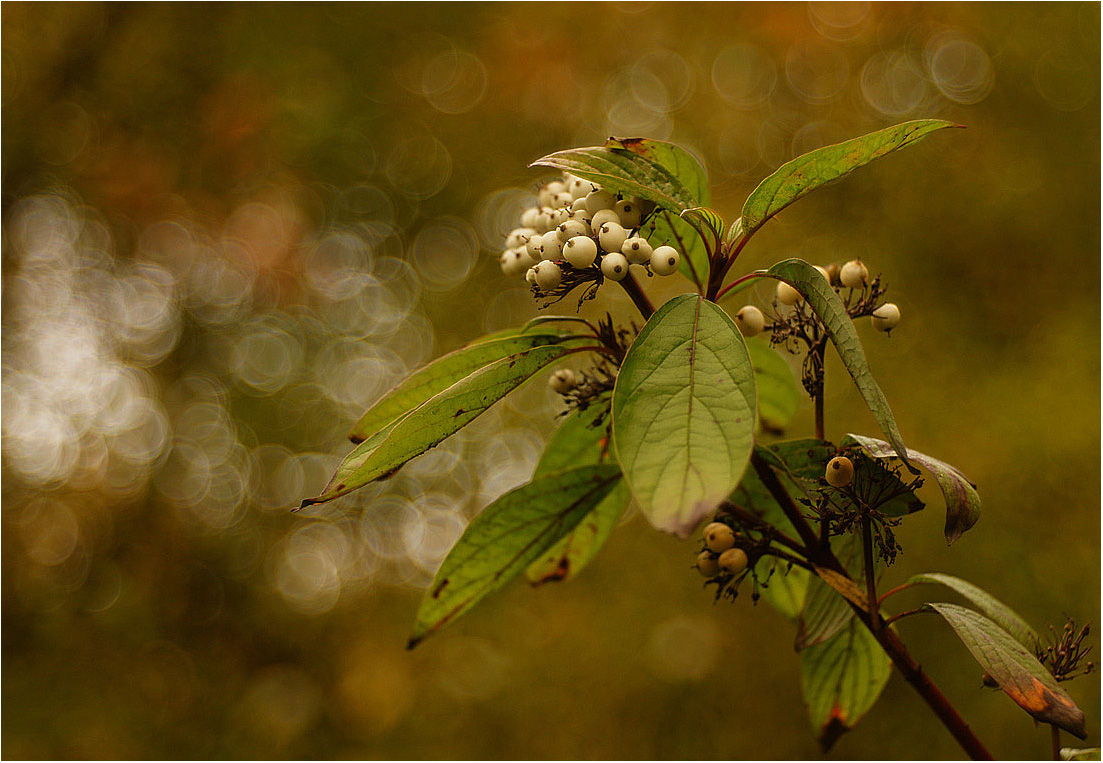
(440, 416)
(962, 501)
(784, 587)
(778, 391)
(806, 173)
(580, 440)
(445, 371)
(507, 537)
(825, 303)
(1016, 670)
(841, 678)
(684, 411)
(658, 171)
(989, 606)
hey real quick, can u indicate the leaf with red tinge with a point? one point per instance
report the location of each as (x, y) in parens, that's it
(508, 536)
(840, 679)
(962, 500)
(1016, 670)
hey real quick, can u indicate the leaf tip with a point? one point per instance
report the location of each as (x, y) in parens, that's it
(414, 641)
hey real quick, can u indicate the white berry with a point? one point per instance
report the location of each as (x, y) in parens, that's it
(580, 251)
(561, 199)
(519, 237)
(840, 471)
(750, 320)
(578, 188)
(707, 565)
(602, 216)
(611, 236)
(530, 276)
(614, 266)
(598, 200)
(550, 245)
(578, 205)
(637, 250)
(534, 249)
(886, 317)
(854, 274)
(557, 216)
(547, 275)
(787, 295)
(629, 213)
(563, 380)
(543, 221)
(568, 230)
(718, 537)
(528, 217)
(734, 560)
(664, 260)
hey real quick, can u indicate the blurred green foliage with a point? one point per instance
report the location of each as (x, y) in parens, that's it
(229, 227)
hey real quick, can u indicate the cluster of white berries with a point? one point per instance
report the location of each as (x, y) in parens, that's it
(852, 275)
(578, 224)
(720, 554)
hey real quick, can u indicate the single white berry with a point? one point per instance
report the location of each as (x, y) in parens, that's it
(614, 266)
(568, 230)
(557, 216)
(611, 236)
(580, 251)
(750, 320)
(583, 217)
(854, 274)
(707, 564)
(637, 250)
(886, 317)
(664, 260)
(534, 249)
(598, 200)
(556, 186)
(548, 275)
(514, 261)
(528, 217)
(578, 188)
(602, 216)
(530, 276)
(578, 205)
(718, 537)
(629, 213)
(734, 560)
(519, 237)
(550, 245)
(840, 471)
(561, 199)
(787, 295)
(543, 222)
(563, 380)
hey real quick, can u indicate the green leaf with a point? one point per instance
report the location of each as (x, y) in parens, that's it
(778, 391)
(841, 678)
(658, 171)
(832, 314)
(430, 423)
(806, 173)
(684, 410)
(1016, 670)
(508, 536)
(445, 371)
(990, 606)
(783, 587)
(826, 612)
(581, 439)
(962, 500)
(1072, 753)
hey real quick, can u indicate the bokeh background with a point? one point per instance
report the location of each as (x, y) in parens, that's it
(228, 228)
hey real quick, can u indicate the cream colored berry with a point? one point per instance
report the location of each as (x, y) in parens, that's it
(637, 250)
(611, 236)
(528, 217)
(840, 471)
(707, 564)
(578, 188)
(854, 275)
(550, 245)
(750, 320)
(734, 560)
(614, 266)
(603, 216)
(519, 237)
(563, 380)
(719, 537)
(568, 230)
(629, 213)
(548, 275)
(598, 200)
(787, 295)
(530, 276)
(833, 273)
(580, 251)
(664, 260)
(886, 317)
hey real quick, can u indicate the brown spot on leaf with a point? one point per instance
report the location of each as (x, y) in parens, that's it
(835, 727)
(440, 587)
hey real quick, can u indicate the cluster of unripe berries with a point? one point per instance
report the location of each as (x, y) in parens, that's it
(720, 556)
(852, 275)
(578, 224)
